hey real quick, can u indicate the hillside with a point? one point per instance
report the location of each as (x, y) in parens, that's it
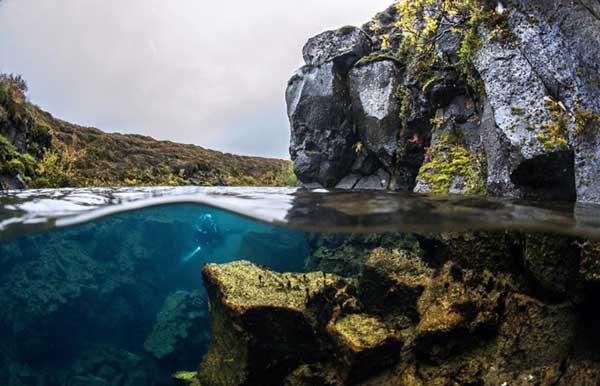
(38, 150)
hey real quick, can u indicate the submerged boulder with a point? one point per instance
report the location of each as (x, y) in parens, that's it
(181, 327)
(366, 345)
(393, 280)
(261, 323)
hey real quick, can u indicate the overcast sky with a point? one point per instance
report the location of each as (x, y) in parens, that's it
(212, 73)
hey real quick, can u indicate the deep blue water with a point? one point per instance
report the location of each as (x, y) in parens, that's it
(83, 297)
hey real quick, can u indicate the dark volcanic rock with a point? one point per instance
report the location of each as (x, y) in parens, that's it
(322, 133)
(343, 46)
(529, 75)
(524, 157)
(376, 108)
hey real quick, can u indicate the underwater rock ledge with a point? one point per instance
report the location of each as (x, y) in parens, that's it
(411, 317)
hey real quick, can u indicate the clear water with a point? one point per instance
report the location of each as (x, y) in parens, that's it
(84, 274)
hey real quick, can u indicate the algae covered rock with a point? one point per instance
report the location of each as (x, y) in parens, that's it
(181, 327)
(367, 345)
(589, 268)
(261, 324)
(393, 280)
(186, 378)
(458, 308)
(535, 334)
(552, 261)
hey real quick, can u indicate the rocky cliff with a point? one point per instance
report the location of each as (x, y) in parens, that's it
(472, 96)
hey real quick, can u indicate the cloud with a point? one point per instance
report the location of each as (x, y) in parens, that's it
(211, 73)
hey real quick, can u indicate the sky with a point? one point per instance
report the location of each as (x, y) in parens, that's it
(211, 73)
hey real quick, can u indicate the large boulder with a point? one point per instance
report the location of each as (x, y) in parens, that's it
(318, 106)
(343, 46)
(525, 137)
(376, 108)
(181, 328)
(261, 323)
(322, 137)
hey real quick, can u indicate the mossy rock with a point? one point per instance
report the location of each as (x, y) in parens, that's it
(186, 378)
(366, 343)
(262, 325)
(393, 280)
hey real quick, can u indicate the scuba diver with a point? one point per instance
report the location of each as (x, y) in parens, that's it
(207, 236)
(207, 231)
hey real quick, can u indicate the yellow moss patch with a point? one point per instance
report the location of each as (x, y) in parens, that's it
(186, 378)
(249, 286)
(361, 332)
(450, 159)
(555, 132)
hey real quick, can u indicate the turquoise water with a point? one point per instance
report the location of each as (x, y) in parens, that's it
(82, 301)
(102, 287)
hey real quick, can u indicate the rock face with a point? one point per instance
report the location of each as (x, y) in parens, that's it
(344, 46)
(376, 112)
(486, 101)
(322, 134)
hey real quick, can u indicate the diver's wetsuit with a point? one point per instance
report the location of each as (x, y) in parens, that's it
(208, 233)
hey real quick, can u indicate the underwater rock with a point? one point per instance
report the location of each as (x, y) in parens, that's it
(343, 46)
(345, 255)
(589, 267)
(180, 327)
(417, 314)
(534, 334)
(313, 375)
(366, 344)
(553, 262)
(106, 366)
(186, 378)
(262, 327)
(319, 111)
(393, 280)
(459, 307)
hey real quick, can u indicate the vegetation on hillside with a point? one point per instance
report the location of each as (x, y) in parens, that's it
(47, 152)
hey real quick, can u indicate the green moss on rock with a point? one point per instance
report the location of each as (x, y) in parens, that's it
(450, 162)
